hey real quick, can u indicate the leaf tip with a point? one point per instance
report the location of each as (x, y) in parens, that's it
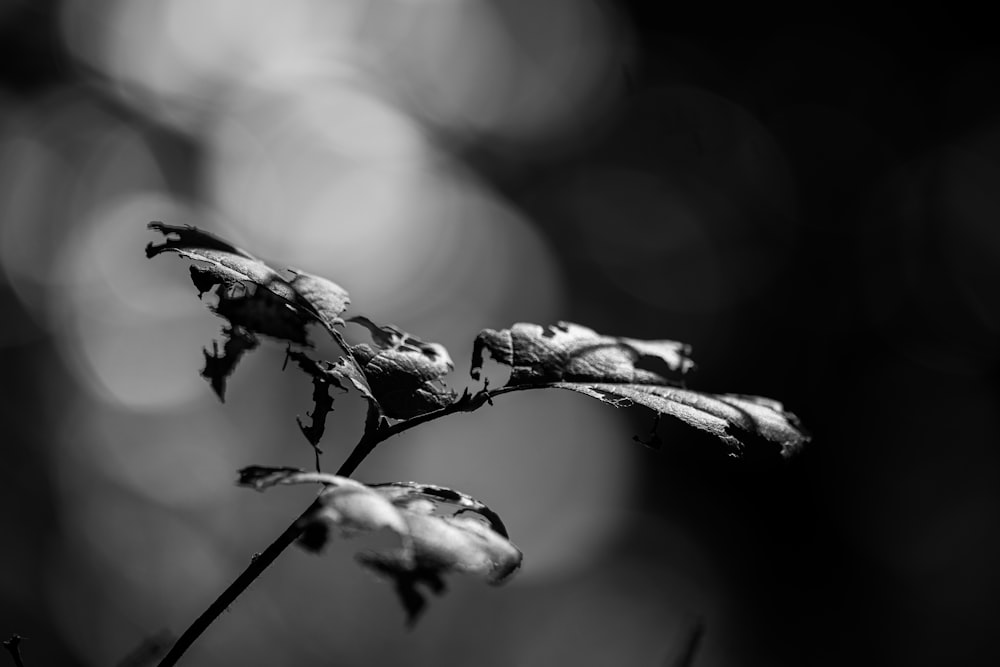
(259, 478)
(152, 250)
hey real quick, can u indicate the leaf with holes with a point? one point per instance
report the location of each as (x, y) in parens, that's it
(255, 298)
(575, 358)
(572, 352)
(326, 299)
(441, 530)
(403, 372)
(324, 377)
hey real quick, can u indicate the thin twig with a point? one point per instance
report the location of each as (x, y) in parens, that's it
(13, 647)
(466, 403)
(257, 565)
(375, 432)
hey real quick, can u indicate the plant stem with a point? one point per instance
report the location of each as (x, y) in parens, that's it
(466, 403)
(258, 564)
(375, 432)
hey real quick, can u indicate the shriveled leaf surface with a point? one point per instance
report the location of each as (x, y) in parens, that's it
(345, 505)
(571, 352)
(442, 497)
(399, 374)
(260, 478)
(349, 371)
(575, 358)
(225, 263)
(441, 530)
(220, 365)
(327, 299)
(461, 543)
(735, 419)
(255, 298)
(403, 372)
(443, 544)
(324, 377)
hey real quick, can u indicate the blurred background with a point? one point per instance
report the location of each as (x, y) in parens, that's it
(814, 207)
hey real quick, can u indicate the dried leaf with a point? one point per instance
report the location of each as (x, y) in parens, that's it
(218, 367)
(571, 352)
(463, 544)
(351, 372)
(400, 374)
(442, 497)
(225, 262)
(344, 504)
(403, 372)
(353, 508)
(568, 356)
(256, 309)
(443, 544)
(734, 418)
(260, 478)
(442, 530)
(323, 376)
(255, 298)
(327, 299)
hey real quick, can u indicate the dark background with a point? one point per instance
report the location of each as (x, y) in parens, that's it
(813, 204)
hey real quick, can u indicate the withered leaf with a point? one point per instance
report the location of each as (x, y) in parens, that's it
(218, 367)
(443, 544)
(441, 497)
(345, 504)
(441, 530)
(572, 357)
(738, 420)
(460, 543)
(348, 370)
(255, 298)
(225, 263)
(327, 299)
(260, 478)
(571, 352)
(257, 309)
(403, 372)
(323, 377)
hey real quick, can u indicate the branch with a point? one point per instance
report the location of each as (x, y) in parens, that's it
(467, 402)
(13, 646)
(375, 432)
(258, 563)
